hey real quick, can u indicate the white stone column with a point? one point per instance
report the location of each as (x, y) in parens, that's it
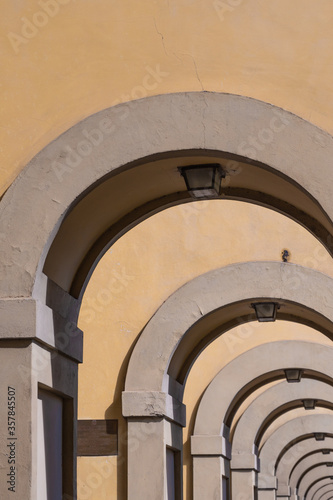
(267, 487)
(211, 456)
(39, 349)
(243, 484)
(16, 420)
(207, 478)
(154, 422)
(244, 468)
(284, 491)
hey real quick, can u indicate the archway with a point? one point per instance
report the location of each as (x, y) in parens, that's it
(41, 308)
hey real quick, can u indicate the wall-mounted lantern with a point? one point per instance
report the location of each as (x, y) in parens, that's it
(309, 404)
(293, 375)
(265, 311)
(319, 436)
(203, 181)
(326, 452)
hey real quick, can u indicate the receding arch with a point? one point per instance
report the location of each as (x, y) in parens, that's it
(312, 477)
(305, 466)
(50, 192)
(287, 435)
(210, 304)
(269, 405)
(118, 140)
(315, 489)
(293, 456)
(325, 494)
(226, 388)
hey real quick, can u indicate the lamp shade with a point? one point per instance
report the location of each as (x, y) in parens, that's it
(309, 404)
(265, 311)
(293, 375)
(203, 181)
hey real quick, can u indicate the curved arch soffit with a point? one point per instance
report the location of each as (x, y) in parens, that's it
(296, 453)
(114, 143)
(233, 393)
(306, 465)
(315, 489)
(288, 416)
(312, 477)
(270, 405)
(287, 435)
(212, 303)
(325, 493)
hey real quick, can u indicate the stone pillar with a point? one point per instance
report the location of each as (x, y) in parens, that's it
(244, 468)
(16, 420)
(39, 351)
(207, 478)
(243, 484)
(267, 487)
(211, 456)
(155, 421)
(284, 491)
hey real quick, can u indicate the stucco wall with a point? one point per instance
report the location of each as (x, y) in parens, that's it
(83, 56)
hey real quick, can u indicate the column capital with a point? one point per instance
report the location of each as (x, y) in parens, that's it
(210, 445)
(27, 318)
(267, 482)
(153, 404)
(246, 461)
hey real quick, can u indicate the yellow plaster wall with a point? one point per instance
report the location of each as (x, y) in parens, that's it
(62, 60)
(148, 264)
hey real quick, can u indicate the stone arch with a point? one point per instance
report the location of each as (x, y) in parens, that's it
(209, 443)
(317, 487)
(325, 493)
(294, 455)
(117, 141)
(284, 438)
(208, 305)
(304, 466)
(312, 477)
(286, 435)
(269, 405)
(44, 274)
